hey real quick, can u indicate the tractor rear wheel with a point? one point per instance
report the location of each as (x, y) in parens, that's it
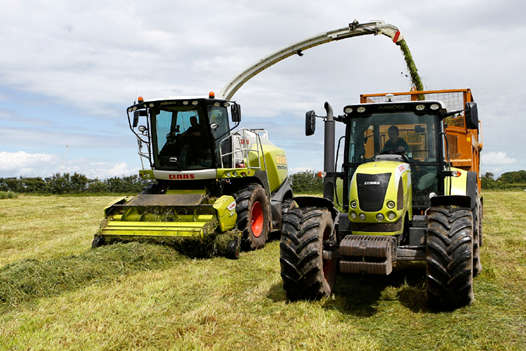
(477, 239)
(253, 216)
(305, 273)
(449, 256)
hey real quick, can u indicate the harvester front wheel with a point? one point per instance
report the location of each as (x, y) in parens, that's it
(253, 216)
(304, 271)
(449, 256)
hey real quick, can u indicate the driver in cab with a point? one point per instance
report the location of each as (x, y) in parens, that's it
(395, 144)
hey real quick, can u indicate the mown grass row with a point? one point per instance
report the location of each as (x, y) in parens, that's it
(141, 296)
(32, 278)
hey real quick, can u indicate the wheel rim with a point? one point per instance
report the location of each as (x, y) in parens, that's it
(256, 215)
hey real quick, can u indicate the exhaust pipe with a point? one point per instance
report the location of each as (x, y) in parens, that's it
(329, 182)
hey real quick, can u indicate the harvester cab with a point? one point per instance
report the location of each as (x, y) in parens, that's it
(410, 192)
(214, 187)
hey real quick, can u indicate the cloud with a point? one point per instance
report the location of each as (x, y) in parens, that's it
(20, 162)
(498, 158)
(24, 164)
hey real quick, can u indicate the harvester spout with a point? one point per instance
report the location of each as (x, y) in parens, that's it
(354, 29)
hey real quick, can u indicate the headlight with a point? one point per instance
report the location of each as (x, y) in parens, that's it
(420, 107)
(347, 110)
(380, 217)
(360, 109)
(353, 203)
(362, 216)
(353, 215)
(434, 107)
(391, 215)
(390, 204)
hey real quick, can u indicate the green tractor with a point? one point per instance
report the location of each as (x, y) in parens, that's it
(410, 192)
(214, 188)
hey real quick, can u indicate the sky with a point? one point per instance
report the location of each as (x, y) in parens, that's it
(69, 69)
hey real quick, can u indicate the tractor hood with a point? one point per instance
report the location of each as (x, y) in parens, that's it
(380, 192)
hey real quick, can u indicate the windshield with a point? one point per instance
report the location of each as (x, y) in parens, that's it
(182, 138)
(404, 133)
(393, 133)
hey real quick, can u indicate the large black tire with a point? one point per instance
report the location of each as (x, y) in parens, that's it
(305, 274)
(253, 216)
(98, 241)
(477, 238)
(449, 257)
(232, 250)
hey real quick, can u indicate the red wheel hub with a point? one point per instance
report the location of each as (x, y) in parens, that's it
(256, 215)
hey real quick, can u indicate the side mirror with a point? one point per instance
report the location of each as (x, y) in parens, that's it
(472, 115)
(235, 112)
(136, 116)
(310, 123)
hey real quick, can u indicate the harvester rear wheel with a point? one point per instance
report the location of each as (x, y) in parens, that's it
(449, 256)
(305, 274)
(253, 216)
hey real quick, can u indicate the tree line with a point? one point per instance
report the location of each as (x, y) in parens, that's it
(507, 180)
(72, 184)
(302, 182)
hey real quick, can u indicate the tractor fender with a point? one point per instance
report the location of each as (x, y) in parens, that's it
(315, 201)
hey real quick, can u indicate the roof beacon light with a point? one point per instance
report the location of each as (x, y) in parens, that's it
(140, 99)
(211, 95)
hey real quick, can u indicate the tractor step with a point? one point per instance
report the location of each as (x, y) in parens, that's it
(367, 254)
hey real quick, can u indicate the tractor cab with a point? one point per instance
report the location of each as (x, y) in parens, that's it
(386, 141)
(185, 134)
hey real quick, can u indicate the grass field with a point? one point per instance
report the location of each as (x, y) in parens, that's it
(56, 293)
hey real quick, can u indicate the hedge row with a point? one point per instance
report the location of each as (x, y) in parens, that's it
(302, 182)
(75, 183)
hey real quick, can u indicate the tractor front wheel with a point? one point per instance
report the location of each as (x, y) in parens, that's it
(253, 216)
(304, 271)
(449, 257)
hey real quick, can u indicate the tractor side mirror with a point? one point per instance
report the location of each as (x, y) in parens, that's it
(472, 115)
(235, 112)
(310, 123)
(136, 116)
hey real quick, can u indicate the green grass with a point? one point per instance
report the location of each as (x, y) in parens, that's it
(56, 293)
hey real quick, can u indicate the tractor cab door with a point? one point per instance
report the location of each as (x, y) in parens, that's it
(219, 127)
